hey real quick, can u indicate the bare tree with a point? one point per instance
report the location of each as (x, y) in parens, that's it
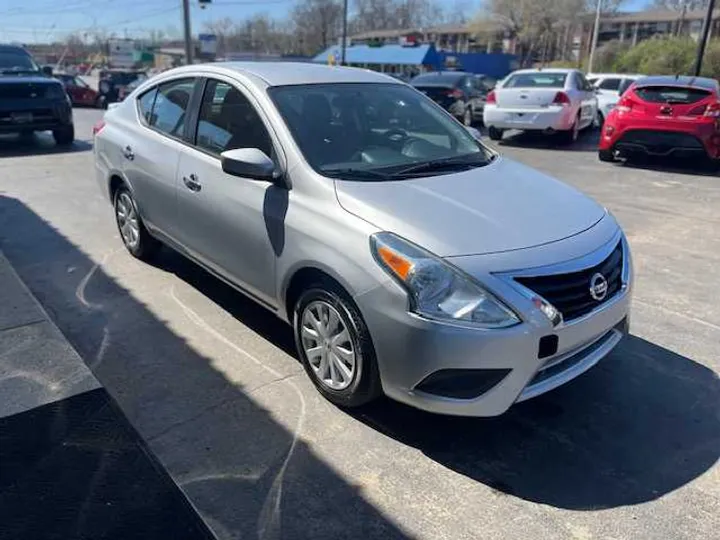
(680, 5)
(317, 24)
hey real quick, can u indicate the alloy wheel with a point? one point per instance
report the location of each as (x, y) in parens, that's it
(127, 220)
(327, 345)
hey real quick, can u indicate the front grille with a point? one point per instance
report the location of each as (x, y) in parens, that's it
(22, 91)
(570, 293)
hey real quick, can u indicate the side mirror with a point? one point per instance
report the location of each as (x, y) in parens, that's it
(47, 71)
(248, 163)
(474, 132)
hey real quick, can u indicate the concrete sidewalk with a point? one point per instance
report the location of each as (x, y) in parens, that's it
(71, 465)
(37, 364)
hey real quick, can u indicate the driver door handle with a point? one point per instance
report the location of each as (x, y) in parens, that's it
(128, 153)
(192, 183)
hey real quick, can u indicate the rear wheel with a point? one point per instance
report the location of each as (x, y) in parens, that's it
(335, 347)
(101, 102)
(494, 133)
(570, 136)
(607, 156)
(64, 136)
(134, 235)
(467, 117)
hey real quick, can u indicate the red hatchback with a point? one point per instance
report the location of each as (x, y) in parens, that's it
(664, 116)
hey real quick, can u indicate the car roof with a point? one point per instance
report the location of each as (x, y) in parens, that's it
(545, 70)
(290, 73)
(446, 73)
(679, 80)
(618, 75)
(13, 48)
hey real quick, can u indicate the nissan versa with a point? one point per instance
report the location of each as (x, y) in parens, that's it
(409, 258)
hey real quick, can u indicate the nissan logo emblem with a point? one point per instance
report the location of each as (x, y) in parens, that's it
(598, 287)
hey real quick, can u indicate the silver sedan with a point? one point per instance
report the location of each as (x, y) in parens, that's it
(409, 258)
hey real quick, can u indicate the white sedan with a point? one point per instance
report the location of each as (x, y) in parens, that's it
(551, 101)
(609, 87)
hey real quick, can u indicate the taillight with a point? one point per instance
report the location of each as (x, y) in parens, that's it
(97, 128)
(624, 105)
(561, 98)
(491, 98)
(713, 110)
(455, 93)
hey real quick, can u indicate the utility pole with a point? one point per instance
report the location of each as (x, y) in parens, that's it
(343, 45)
(596, 30)
(703, 38)
(188, 32)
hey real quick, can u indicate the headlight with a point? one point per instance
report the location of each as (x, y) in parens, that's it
(437, 289)
(55, 91)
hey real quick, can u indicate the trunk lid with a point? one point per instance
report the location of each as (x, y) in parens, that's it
(439, 93)
(526, 98)
(668, 102)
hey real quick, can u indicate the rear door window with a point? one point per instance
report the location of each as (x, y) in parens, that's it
(171, 107)
(536, 80)
(671, 94)
(612, 83)
(145, 105)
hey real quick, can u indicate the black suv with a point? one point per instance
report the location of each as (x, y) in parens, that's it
(30, 99)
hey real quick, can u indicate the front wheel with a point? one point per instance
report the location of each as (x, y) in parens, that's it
(101, 102)
(64, 136)
(335, 347)
(494, 133)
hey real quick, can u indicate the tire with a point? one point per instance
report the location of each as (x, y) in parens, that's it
(101, 102)
(494, 133)
(137, 239)
(64, 136)
(599, 120)
(363, 384)
(467, 118)
(607, 156)
(571, 136)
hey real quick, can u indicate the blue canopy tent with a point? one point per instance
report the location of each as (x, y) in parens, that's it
(387, 58)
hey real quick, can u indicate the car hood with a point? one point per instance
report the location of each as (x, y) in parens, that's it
(503, 206)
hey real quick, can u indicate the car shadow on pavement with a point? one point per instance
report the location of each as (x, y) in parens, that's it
(641, 424)
(587, 141)
(247, 470)
(38, 144)
(690, 167)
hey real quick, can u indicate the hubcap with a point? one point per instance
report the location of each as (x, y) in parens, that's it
(127, 220)
(327, 345)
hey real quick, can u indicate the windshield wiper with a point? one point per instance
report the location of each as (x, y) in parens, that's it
(445, 163)
(359, 174)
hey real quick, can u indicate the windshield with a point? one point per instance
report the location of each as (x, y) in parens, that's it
(536, 80)
(11, 61)
(375, 131)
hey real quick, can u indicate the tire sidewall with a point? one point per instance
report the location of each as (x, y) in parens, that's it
(355, 393)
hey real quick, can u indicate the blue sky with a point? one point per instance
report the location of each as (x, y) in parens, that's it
(46, 20)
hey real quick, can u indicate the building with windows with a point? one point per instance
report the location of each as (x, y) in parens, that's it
(445, 38)
(632, 28)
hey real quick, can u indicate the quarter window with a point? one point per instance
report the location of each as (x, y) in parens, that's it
(228, 121)
(145, 105)
(170, 108)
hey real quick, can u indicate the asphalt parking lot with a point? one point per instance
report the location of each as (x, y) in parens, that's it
(211, 382)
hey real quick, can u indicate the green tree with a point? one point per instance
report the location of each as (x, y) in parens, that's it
(666, 56)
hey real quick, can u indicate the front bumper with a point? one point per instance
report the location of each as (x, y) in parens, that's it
(555, 118)
(410, 349)
(28, 115)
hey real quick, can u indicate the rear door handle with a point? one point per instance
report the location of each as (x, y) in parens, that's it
(128, 153)
(192, 183)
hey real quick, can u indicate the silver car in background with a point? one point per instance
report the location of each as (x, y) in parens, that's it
(552, 101)
(410, 259)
